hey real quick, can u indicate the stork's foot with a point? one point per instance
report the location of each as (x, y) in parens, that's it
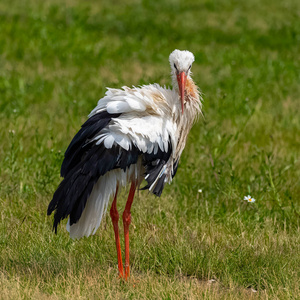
(126, 222)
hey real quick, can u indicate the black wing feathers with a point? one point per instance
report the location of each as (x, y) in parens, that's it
(175, 167)
(73, 192)
(154, 163)
(79, 145)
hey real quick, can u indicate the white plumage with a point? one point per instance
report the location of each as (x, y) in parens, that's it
(133, 134)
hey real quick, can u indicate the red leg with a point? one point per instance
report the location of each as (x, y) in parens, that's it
(115, 218)
(126, 223)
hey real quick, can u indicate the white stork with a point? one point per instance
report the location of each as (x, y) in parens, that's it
(131, 135)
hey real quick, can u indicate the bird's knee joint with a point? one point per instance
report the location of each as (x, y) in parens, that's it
(126, 217)
(114, 214)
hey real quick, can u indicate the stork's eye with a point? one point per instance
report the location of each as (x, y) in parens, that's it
(175, 67)
(189, 67)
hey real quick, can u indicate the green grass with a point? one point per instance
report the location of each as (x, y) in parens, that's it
(56, 59)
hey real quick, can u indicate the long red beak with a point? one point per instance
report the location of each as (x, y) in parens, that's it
(181, 79)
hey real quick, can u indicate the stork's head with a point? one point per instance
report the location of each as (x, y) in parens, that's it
(181, 63)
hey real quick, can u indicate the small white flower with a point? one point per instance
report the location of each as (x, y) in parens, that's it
(199, 191)
(249, 198)
(11, 131)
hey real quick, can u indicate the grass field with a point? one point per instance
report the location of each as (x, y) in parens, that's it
(57, 57)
